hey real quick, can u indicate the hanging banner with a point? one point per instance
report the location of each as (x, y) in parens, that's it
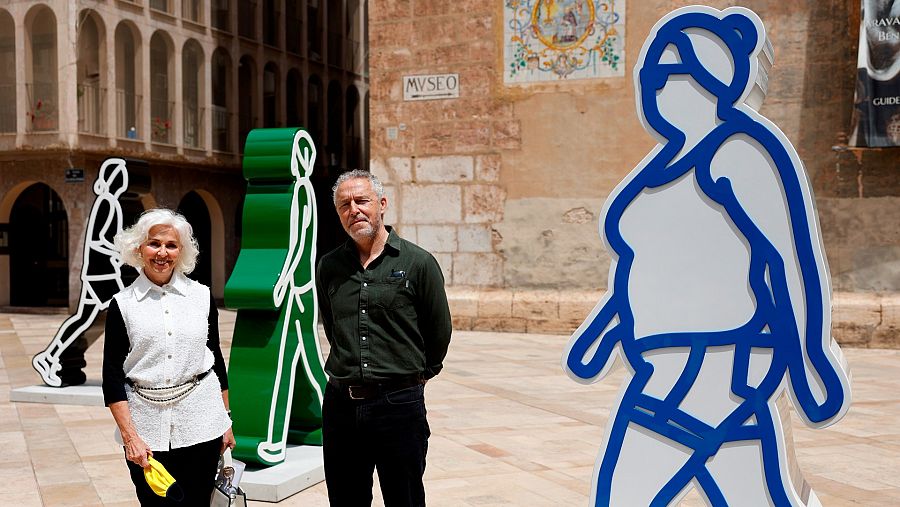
(876, 114)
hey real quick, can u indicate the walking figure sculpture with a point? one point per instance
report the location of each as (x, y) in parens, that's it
(276, 372)
(61, 363)
(719, 294)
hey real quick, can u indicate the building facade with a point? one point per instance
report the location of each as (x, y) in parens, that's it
(174, 85)
(506, 182)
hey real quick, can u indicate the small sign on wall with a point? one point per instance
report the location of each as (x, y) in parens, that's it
(431, 87)
(74, 175)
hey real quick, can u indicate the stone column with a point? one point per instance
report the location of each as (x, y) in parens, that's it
(67, 88)
(112, 129)
(178, 80)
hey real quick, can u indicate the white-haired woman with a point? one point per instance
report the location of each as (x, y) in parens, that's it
(164, 377)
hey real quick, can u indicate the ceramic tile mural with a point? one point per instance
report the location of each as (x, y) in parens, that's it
(555, 40)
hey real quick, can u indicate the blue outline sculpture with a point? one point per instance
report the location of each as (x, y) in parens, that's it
(793, 327)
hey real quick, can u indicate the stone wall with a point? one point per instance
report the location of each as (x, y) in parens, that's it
(534, 163)
(530, 166)
(864, 320)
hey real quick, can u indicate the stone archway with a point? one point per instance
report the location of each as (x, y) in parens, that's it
(37, 264)
(203, 212)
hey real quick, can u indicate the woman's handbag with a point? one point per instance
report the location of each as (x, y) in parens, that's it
(227, 492)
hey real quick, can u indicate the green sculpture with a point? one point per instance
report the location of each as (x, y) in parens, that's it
(276, 374)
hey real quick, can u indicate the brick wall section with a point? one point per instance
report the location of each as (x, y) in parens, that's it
(863, 320)
(442, 172)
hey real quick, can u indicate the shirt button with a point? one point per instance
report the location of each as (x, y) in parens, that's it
(364, 311)
(170, 356)
(365, 284)
(365, 365)
(164, 293)
(167, 311)
(169, 381)
(170, 333)
(363, 338)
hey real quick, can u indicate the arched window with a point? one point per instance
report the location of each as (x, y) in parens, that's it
(192, 10)
(247, 18)
(315, 104)
(7, 73)
(271, 22)
(335, 35)
(160, 5)
(294, 98)
(128, 86)
(41, 70)
(292, 23)
(246, 96)
(353, 139)
(162, 108)
(221, 79)
(313, 30)
(270, 96)
(91, 78)
(191, 93)
(365, 134)
(335, 143)
(221, 15)
(355, 44)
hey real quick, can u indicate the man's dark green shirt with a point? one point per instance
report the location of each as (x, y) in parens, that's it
(385, 321)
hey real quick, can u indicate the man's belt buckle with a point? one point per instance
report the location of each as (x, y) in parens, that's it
(353, 396)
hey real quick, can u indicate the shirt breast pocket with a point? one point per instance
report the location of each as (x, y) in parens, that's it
(392, 293)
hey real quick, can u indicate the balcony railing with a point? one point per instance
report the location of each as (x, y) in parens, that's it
(191, 10)
(193, 126)
(44, 115)
(161, 115)
(8, 108)
(91, 109)
(221, 129)
(128, 115)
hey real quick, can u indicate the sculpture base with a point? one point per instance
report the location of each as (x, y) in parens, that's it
(89, 394)
(303, 468)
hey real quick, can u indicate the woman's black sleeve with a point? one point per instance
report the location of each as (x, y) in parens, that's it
(115, 349)
(212, 342)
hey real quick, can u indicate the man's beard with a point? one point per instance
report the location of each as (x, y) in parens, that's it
(367, 233)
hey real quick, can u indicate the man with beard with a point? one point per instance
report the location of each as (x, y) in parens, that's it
(386, 318)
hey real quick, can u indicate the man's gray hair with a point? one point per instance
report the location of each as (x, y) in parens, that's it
(358, 173)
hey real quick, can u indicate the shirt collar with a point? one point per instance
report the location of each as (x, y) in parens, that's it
(143, 286)
(393, 241)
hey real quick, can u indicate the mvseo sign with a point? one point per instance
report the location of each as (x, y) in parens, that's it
(431, 87)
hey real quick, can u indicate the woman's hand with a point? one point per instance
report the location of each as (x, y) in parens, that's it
(136, 451)
(227, 441)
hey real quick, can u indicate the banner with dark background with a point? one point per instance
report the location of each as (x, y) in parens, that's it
(876, 115)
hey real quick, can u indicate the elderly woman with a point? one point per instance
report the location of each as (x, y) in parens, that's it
(164, 377)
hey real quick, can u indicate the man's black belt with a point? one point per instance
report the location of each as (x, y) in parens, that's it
(357, 391)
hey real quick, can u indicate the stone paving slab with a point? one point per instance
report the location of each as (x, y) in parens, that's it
(508, 429)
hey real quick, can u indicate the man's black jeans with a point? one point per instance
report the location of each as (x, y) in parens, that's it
(388, 432)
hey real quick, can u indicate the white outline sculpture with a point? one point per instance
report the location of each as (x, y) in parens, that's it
(104, 222)
(719, 295)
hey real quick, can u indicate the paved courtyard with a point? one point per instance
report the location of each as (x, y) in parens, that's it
(508, 429)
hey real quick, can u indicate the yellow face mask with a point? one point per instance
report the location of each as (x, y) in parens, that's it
(159, 479)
